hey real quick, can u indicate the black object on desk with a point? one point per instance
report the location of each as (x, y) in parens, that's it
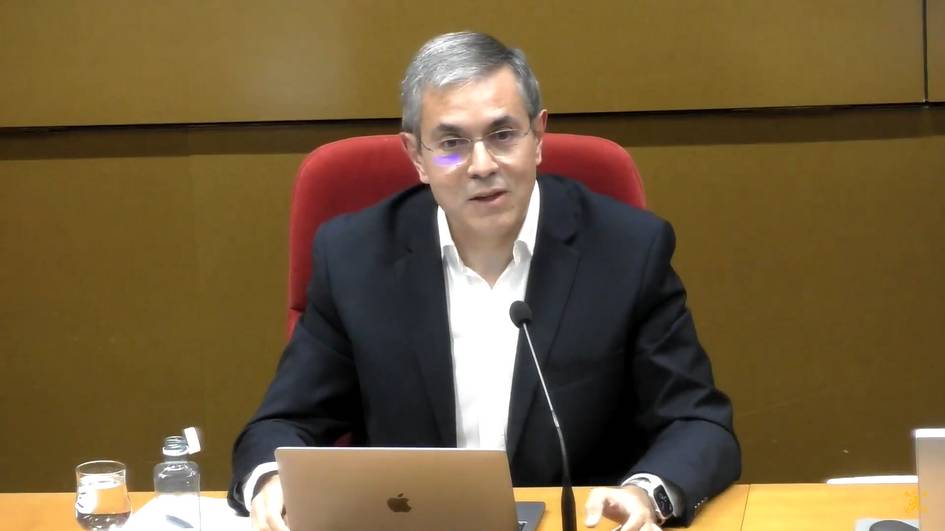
(892, 525)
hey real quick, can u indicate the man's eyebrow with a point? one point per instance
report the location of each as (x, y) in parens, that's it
(447, 129)
(502, 121)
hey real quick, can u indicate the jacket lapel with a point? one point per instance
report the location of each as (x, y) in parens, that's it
(551, 275)
(422, 291)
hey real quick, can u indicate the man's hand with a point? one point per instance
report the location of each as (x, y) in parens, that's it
(265, 513)
(630, 506)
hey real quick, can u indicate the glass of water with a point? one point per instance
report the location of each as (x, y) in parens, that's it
(101, 495)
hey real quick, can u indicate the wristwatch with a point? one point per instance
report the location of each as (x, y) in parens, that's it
(658, 497)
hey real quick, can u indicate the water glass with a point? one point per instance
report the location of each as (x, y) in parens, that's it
(101, 495)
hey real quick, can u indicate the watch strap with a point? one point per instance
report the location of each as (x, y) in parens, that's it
(659, 498)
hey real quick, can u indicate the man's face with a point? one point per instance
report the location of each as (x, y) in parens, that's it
(486, 195)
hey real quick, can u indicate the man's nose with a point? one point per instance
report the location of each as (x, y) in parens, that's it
(481, 162)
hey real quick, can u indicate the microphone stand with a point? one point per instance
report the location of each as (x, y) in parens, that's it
(568, 513)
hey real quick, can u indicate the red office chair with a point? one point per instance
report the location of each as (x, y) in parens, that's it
(355, 173)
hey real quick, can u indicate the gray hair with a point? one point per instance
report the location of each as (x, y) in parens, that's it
(458, 58)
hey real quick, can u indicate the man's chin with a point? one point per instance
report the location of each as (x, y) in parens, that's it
(498, 225)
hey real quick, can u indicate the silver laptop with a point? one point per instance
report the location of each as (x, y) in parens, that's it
(400, 489)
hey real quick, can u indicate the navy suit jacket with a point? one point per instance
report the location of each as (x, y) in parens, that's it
(632, 387)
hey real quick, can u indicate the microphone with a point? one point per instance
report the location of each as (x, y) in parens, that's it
(521, 315)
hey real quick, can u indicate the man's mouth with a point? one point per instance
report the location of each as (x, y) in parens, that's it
(486, 197)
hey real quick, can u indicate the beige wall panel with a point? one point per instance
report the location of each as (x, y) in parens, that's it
(98, 62)
(241, 230)
(140, 295)
(99, 335)
(935, 24)
(814, 273)
(67, 62)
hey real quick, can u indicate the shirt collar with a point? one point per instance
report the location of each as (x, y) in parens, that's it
(524, 244)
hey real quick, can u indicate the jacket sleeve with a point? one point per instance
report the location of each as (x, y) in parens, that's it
(687, 419)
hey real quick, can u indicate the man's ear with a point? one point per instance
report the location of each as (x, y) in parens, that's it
(412, 147)
(538, 127)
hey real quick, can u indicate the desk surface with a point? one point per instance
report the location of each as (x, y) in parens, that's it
(747, 507)
(826, 507)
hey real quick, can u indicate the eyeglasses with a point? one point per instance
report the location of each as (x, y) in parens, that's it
(454, 150)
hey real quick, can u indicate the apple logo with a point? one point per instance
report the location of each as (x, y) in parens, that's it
(399, 504)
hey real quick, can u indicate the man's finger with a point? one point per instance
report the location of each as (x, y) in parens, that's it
(259, 521)
(274, 506)
(594, 506)
(636, 522)
(267, 506)
(275, 521)
(257, 515)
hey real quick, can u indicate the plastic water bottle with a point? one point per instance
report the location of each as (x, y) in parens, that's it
(177, 483)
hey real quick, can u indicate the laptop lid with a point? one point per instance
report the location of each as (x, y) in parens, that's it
(930, 469)
(397, 489)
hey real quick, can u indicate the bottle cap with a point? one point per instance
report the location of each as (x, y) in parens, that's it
(193, 440)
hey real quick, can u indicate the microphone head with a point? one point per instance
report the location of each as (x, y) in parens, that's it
(520, 313)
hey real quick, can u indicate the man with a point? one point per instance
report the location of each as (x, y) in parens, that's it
(406, 339)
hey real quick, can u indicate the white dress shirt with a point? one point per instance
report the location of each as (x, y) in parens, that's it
(484, 340)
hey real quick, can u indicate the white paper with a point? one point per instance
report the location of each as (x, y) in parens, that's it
(215, 515)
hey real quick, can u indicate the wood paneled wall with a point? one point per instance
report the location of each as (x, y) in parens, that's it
(93, 62)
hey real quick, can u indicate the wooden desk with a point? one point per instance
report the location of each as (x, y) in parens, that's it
(54, 511)
(724, 513)
(751, 508)
(825, 507)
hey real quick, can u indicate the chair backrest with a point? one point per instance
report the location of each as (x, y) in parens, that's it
(355, 173)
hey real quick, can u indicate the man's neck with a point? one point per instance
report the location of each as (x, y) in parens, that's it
(490, 253)
(486, 256)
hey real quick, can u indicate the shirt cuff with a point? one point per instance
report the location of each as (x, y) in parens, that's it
(675, 497)
(249, 484)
